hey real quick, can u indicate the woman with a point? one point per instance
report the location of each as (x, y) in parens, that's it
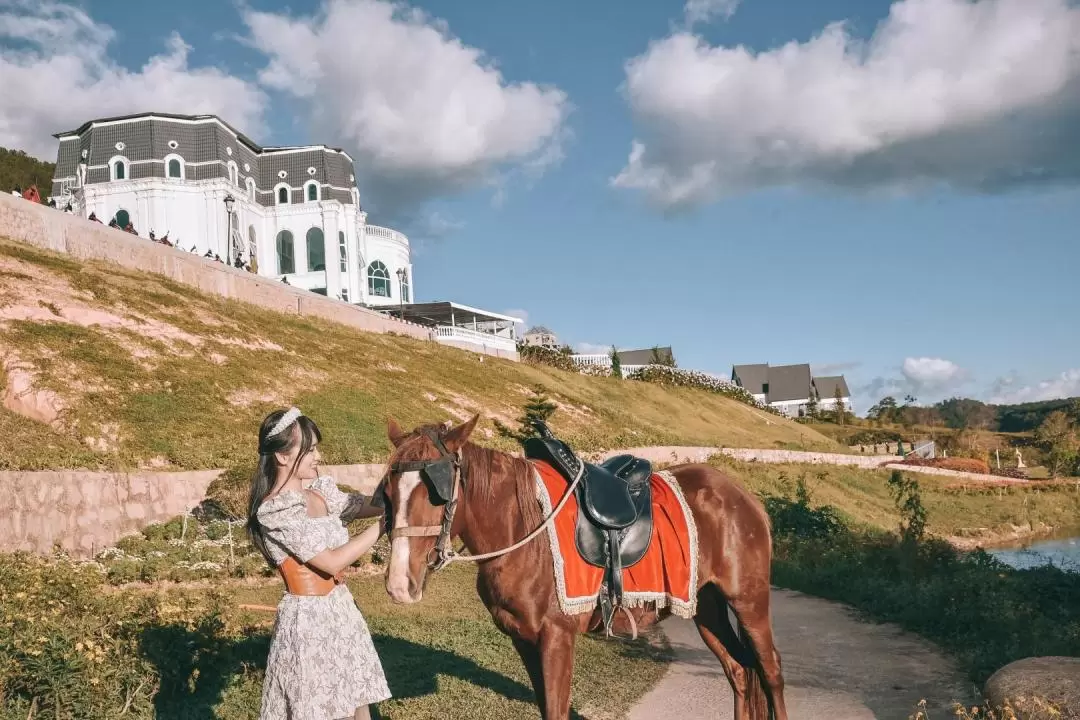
(322, 663)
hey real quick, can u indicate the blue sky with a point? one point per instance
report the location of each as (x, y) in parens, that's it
(902, 208)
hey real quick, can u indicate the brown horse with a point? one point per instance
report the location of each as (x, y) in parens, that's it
(434, 470)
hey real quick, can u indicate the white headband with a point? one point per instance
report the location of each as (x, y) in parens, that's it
(285, 422)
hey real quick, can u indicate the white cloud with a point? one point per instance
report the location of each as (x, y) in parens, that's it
(56, 73)
(933, 374)
(699, 11)
(423, 113)
(980, 95)
(1065, 385)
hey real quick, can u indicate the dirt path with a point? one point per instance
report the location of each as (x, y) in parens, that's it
(836, 666)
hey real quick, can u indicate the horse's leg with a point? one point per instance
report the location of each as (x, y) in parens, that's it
(530, 655)
(752, 610)
(715, 629)
(557, 663)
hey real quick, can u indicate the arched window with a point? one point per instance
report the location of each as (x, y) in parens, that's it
(234, 174)
(355, 196)
(311, 191)
(405, 287)
(282, 194)
(285, 260)
(378, 279)
(122, 217)
(343, 252)
(118, 168)
(174, 167)
(251, 189)
(316, 250)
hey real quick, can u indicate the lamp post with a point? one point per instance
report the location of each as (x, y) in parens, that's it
(400, 290)
(229, 202)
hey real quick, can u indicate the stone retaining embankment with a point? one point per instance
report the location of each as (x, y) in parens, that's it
(44, 227)
(83, 512)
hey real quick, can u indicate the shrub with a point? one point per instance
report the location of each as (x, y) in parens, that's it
(677, 377)
(537, 355)
(794, 517)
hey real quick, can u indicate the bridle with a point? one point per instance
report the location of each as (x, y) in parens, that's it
(441, 476)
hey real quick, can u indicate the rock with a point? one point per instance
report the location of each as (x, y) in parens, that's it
(1026, 682)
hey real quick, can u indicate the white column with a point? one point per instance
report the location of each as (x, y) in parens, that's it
(333, 256)
(361, 253)
(215, 242)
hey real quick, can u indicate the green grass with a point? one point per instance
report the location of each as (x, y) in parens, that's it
(194, 401)
(955, 510)
(191, 652)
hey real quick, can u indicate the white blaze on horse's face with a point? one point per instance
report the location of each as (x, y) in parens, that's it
(397, 577)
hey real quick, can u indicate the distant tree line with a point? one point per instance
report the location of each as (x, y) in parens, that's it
(968, 414)
(19, 169)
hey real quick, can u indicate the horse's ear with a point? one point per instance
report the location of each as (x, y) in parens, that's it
(456, 438)
(394, 432)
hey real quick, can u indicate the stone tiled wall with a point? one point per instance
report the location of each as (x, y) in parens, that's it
(47, 228)
(84, 512)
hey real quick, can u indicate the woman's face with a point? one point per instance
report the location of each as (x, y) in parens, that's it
(308, 467)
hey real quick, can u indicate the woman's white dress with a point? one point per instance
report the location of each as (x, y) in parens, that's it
(322, 663)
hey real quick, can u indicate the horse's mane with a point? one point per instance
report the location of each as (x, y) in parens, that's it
(484, 468)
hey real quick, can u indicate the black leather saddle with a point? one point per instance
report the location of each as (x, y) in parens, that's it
(615, 522)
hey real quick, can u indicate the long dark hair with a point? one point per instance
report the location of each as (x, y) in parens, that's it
(262, 482)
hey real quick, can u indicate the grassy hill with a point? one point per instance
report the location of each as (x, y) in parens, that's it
(151, 373)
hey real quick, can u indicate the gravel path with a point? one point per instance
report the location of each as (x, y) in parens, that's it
(836, 666)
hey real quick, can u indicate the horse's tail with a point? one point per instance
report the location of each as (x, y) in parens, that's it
(757, 699)
(758, 706)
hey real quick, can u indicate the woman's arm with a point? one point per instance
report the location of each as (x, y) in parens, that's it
(337, 559)
(359, 506)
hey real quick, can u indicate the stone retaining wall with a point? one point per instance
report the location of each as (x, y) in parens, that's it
(83, 512)
(44, 227)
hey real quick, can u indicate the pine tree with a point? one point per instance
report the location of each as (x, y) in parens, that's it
(538, 408)
(616, 363)
(841, 411)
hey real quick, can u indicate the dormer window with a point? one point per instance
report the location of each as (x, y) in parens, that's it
(119, 168)
(174, 167)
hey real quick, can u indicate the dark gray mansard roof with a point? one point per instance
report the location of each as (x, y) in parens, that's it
(204, 142)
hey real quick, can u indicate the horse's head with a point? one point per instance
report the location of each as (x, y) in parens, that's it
(422, 478)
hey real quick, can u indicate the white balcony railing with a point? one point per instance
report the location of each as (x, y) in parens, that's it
(596, 360)
(386, 234)
(474, 337)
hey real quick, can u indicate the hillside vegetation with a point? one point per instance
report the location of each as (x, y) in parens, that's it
(18, 168)
(965, 513)
(145, 372)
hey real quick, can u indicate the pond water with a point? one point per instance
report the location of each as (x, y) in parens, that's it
(1062, 552)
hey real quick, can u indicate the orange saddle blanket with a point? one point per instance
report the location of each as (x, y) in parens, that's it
(665, 577)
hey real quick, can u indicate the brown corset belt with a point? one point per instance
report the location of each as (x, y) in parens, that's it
(306, 580)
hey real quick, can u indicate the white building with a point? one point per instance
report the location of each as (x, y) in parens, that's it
(789, 388)
(540, 336)
(295, 211)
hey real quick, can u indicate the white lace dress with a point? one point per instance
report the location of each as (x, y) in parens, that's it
(322, 663)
